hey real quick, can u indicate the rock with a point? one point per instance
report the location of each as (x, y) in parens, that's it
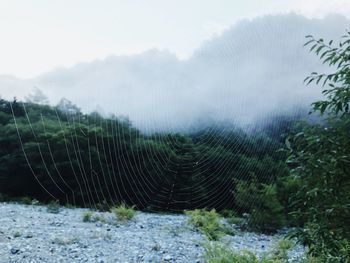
(28, 235)
(148, 238)
(14, 250)
(168, 258)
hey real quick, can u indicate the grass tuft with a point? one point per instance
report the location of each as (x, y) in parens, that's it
(123, 212)
(208, 223)
(87, 216)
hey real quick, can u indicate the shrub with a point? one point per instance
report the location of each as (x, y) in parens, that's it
(98, 218)
(123, 212)
(262, 203)
(319, 157)
(324, 244)
(17, 234)
(280, 252)
(26, 200)
(216, 252)
(208, 223)
(35, 202)
(87, 216)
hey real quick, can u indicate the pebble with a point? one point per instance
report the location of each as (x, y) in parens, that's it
(14, 250)
(149, 237)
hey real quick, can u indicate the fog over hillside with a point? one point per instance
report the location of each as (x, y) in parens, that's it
(252, 70)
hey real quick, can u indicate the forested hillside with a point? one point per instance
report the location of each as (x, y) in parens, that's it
(60, 153)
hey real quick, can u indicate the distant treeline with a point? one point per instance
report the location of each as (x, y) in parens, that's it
(60, 153)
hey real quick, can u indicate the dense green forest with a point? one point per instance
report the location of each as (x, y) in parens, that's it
(54, 153)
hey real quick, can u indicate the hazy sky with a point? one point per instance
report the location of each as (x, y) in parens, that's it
(40, 35)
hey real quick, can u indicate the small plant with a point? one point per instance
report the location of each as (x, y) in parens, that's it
(63, 241)
(216, 252)
(208, 223)
(98, 218)
(26, 200)
(53, 207)
(87, 216)
(123, 212)
(35, 202)
(280, 252)
(156, 247)
(17, 234)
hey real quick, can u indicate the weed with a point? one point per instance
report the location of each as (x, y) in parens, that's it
(123, 212)
(208, 223)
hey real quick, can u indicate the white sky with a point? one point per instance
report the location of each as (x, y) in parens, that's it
(40, 35)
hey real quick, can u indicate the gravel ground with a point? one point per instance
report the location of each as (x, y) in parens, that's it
(31, 234)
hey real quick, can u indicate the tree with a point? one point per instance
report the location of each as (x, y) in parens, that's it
(38, 97)
(320, 159)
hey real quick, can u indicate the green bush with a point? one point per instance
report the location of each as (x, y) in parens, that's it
(266, 214)
(26, 200)
(124, 212)
(216, 252)
(208, 223)
(319, 157)
(87, 216)
(324, 244)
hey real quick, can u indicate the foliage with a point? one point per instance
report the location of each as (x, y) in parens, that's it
(26, 200)
(216, 252)
(336, 56)
(88, 160)
(17, 234)
(123, 212)
(261, 201)
(208, 223)
(319, 157)
(87, 216)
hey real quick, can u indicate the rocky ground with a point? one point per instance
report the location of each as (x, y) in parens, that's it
(31, 234)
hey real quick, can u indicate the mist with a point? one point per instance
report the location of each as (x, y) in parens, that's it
(253, 70)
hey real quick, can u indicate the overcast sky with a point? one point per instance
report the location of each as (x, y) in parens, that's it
(40, 35)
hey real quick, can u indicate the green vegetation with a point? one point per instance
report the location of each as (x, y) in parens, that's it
(90, 216)
(319, 158)
(17, 234)
(216, 252)
(87, 216)
(59, 153)
(26, 200)
(219, 253)
(262, 203)
(208, 223)
(123, 212)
